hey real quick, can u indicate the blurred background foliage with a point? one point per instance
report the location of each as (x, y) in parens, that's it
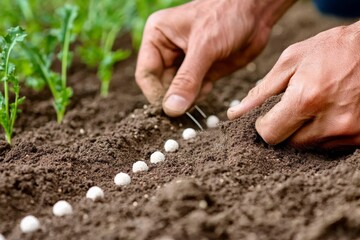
(36, 16)
(98, 24)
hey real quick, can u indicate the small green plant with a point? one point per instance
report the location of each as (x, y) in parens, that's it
(41, 61)
(101, 28)
(9, 111)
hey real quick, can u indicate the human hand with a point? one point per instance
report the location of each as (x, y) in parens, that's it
(185, 49)
(321, 103)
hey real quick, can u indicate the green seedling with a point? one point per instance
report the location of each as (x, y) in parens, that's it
(101, 29)
(41, 62)
(9, 111)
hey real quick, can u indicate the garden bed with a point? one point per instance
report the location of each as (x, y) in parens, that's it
(224, 184)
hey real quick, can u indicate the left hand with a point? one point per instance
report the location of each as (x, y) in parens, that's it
(321, 103)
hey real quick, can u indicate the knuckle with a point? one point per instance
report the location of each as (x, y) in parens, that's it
(155, 19)
(289, 53)
(345, 125)
(184, 80)
(309, 102)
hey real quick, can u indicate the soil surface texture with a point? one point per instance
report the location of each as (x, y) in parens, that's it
(224, 184)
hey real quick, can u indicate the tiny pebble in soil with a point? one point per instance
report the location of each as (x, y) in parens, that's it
(62, 208)
(122, 179)
(29, 224)
(189, 133)
(212, 121)
(157, 157)
(140, 166)
(171, 145)
(95, 193)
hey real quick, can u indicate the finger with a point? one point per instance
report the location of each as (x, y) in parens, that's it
(325, 128)
(148, 71)
(310, 134)
(281, 121)
(341, 143)
(187, 83)
(272, 84)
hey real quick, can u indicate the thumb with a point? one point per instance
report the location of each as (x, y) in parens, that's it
(187, 82)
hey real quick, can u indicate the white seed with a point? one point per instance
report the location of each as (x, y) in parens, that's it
(140, 166)
(203, 204)
(82, 131)
(171, 145)
(2, 237)
(251, 67)
(95, 193)
(122, 179)
(62, 208)
(29, 224)
(212, 121)
(157, 157)
(235, 102)
(258, 82)
(189, 133)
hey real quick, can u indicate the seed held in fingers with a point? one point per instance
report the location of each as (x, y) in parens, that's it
(157, 157)
(62, 208)
(29, 224)
(171, 145)
(122, 179)
(140, 166)
(95, 193)
(212, 121)
(189, 133)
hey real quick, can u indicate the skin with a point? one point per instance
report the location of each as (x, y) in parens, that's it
(185, 49)
(320, 78)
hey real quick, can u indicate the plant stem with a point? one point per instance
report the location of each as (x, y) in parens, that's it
(108, 44)
(105, 88)
(64, 58)
(60, 115)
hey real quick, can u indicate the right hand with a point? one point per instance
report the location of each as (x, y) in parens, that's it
(184, 49)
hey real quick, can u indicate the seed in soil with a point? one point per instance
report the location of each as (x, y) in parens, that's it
(189, 133)
(157, 157)
(234, 103)
(62, 208)
(171, 145)
(140, 166)
(95, 193)
(122, 179)
(29, 224)
(2, 237)
(212, 121)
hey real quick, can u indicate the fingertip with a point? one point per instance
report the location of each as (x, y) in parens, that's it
(236, 111)
(175, 105)
(265, 132)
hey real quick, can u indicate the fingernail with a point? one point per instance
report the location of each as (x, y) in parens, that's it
(176, 104)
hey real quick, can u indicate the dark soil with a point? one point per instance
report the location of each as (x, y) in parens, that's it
(225, 184)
